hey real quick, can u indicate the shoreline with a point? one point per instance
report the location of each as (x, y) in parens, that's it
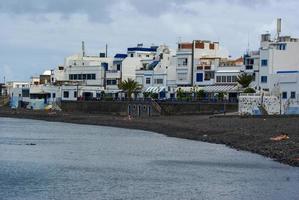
(247, 134)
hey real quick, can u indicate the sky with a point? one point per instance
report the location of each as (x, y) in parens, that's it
(36, 35)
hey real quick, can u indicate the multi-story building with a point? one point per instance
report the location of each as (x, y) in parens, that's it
(252, 66)
(279, 65)
(196, 62)
(227, 71)
(138, 58)
(159, 75)
(84, 76)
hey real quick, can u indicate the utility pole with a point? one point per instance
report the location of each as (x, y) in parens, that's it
(106, 54)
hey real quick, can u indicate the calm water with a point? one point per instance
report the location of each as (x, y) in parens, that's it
(89, 162)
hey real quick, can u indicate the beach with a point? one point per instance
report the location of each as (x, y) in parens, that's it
(251, 134)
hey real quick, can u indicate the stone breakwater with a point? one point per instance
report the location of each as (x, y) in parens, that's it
(249, 134)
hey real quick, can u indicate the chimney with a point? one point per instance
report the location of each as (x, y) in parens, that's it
(83, 49)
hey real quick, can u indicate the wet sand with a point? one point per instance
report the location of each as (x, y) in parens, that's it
(242, 133)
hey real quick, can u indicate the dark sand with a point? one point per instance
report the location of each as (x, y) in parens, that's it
(249, 134)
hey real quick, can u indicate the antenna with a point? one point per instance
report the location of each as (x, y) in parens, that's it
(83, 49)
(179, 39)
(248, 43)
(278, 27)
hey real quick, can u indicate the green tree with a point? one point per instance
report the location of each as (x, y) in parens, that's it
(129, 86)
(200, 94)
(249, 90)
(180, 94)
(244, 80)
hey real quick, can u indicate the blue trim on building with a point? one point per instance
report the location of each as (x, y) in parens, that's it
(287, 72)
(120, 55)
(152, 49)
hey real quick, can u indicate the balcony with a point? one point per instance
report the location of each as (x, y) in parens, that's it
(113, 74)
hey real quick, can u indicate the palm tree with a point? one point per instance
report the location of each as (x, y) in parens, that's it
(129, 86)
(244, 80)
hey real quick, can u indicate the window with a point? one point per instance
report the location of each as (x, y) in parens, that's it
(54, 95)
(93, 76)
(132, 55)
(281, 46)
(249, 61)
(284, 95)
(264, 62)
(111, 82)
(293, 95)
(248, 67)
(218, 79)
(60, 68)
(209, 75)
(71, 77)
(80, 76)
(234, 79)
(229, 79)
(75, 77)
(185, 62)
(65, 94)
(148, 81)
(264, 79)
(182, 76)
(223, 79)
(75, 94)
(199, 77)
(25, 93)
(84, 76)
(159, 81)
(88, 76)
(118, 67)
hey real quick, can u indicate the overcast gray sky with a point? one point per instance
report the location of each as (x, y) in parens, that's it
(38, 34)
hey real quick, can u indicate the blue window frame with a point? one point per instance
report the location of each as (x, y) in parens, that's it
(284, 95)
(264, 79)
(293, 95)
(199, 77)
(264, 62)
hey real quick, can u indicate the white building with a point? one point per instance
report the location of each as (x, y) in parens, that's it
(89, 75)
(138, 58)
(196, 62)
(159, 75)
(279, 66)
(278, 72)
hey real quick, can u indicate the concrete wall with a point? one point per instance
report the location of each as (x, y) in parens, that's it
(252, 105)
(146, 109)
(178, 108)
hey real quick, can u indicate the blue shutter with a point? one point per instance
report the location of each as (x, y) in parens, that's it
(199, 77)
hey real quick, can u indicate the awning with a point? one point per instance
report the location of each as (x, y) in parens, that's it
(221, 88)
(155, 89)
(189, 89)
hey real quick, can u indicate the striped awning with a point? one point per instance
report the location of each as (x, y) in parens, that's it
(155, 89)
(221, 88)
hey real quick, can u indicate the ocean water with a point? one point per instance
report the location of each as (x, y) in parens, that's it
(50, 160)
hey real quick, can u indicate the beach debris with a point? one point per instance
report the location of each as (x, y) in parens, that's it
(280, 137)
(30, 144)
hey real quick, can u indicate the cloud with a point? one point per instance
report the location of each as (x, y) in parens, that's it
(6, 73)
(38, 34)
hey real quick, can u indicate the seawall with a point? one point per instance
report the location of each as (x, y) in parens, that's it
(147, 108)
